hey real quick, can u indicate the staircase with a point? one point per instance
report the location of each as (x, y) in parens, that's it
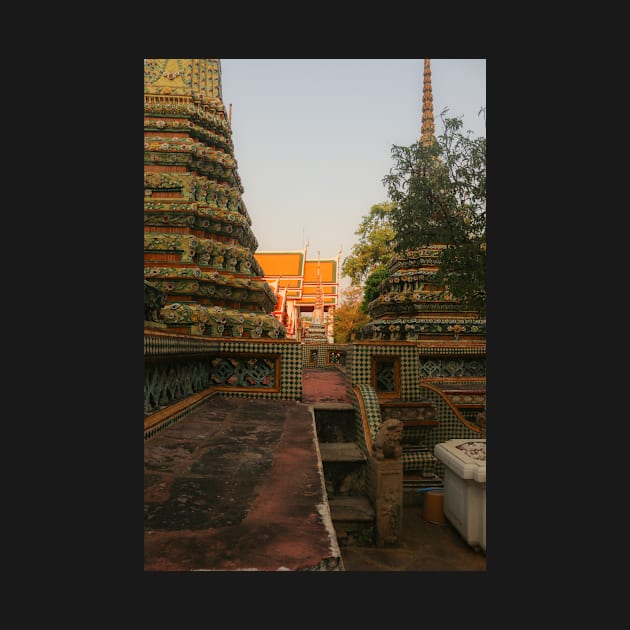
(345, 474)
(432, 417)
(468, 396)
(419, 463)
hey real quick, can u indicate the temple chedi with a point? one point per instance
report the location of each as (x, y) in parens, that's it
(201, 277)
(317, 329)
(411, 306)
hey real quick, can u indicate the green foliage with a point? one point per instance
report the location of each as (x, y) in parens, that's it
(374, 247)
(349, 316)
(438, 194)
(372, 283)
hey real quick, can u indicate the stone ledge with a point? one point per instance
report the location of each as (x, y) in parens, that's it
(341, 452)
(348, 508)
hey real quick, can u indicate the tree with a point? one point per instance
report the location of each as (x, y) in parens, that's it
(372, 282)
(374, 248)
(349, 316)
(438, 193)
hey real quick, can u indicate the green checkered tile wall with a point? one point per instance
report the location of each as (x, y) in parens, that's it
(372, 411)
(319, 355)
(419, 459)
(167, 381)
(359, 365)
(290, 366)
(450, 427)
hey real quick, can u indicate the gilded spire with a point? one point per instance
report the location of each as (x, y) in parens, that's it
(428, 127)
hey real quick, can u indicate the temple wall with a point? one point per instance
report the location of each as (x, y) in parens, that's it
(359, 365)
(178, 367)
(324, 355)
(400, 366)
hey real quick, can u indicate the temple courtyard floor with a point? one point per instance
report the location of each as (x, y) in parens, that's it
(236, 485)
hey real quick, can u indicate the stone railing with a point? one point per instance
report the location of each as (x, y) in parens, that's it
(181, 367)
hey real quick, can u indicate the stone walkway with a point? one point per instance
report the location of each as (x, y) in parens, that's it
(237, 486)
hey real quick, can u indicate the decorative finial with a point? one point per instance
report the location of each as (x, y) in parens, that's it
(318, 311)
(427, 135)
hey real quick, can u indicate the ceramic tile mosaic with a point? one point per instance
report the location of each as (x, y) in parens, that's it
(198, 242)
(419, 459)
(256, 369)
(414, 458)
(366, 407)
(324, 355)
(450, 426)
(156, 344)
(290, 357)
(166, 382)
(359, 365)
(449, 367)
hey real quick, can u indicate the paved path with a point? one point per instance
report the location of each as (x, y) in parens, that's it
(323, 385)
(237, 485)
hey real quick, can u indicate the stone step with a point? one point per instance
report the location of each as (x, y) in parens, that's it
(414, 479)
(335, 422)
(351, 509)
(330, 406)
(341, 452)
(420, 402)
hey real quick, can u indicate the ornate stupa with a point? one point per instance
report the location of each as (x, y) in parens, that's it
(199, 267)
(410, 305)
(317, 329)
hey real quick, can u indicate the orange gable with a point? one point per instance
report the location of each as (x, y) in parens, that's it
(327, 268)
(281, 263)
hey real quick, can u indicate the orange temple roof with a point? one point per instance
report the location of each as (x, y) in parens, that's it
(298, 279)
(327, 268)
(281, 264)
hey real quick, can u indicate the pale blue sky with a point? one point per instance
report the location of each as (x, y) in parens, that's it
(313, 137)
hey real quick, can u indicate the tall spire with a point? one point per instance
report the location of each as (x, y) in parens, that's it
(318, 311)
(428, 127)
(317, 329)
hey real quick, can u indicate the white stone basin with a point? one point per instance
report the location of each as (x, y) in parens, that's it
(465, 487)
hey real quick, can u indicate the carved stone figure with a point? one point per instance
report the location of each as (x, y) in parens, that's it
(387, 441)
(154, 300)
(390, 506)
